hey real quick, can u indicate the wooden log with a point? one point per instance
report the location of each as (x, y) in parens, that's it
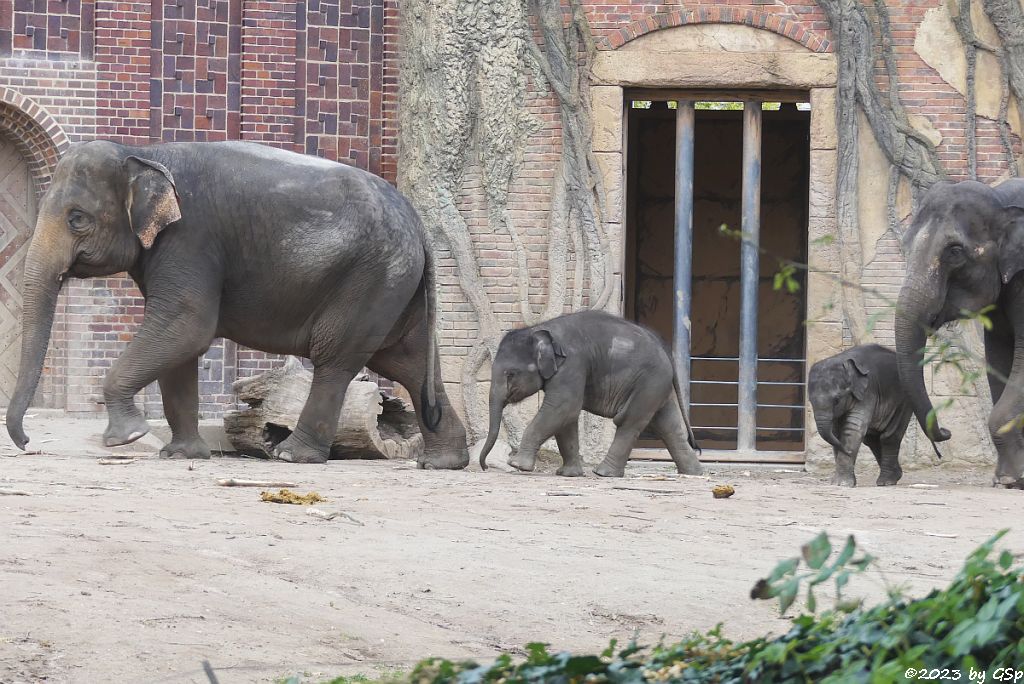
(371, 426)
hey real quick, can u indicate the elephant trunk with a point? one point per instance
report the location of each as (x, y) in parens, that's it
(912, 321)
(497, 405)
(46, 263)
(825, 423)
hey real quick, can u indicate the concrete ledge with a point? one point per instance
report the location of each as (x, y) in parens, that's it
(708, 70)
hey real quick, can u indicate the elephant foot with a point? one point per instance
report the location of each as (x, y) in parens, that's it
(186, 449)
(889, 479)
(1008, 482)
(294, 451)
(455, 459)
(124, 431)
(570, 470)
(605, 469)
(690, 469)
(844, 480)
(523, 464)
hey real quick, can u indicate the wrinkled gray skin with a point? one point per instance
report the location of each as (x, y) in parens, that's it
(857, 399)
(596, 362)
(965, 251)
(278, 251)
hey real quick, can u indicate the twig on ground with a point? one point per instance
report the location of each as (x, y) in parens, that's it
(652, 491)
(324, 515)
(940, 534)
(562, 494)
(231, 482)
(116, 461)
(14, 492)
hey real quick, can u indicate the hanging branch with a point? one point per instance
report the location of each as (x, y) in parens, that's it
(964, 26)
(1008, 19)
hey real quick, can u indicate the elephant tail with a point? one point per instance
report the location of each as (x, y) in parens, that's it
(682, 409)
(428, 393)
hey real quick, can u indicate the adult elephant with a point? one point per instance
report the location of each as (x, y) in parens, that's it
(966, 252)
(281, 252)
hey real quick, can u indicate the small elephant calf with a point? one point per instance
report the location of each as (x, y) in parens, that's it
(857, 398)
(596, 362)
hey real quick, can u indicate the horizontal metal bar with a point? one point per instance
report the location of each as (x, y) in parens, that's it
(782, 429)
(697, 403)
(734, 358)
(713, 427)
(783, 406)
(759, 383)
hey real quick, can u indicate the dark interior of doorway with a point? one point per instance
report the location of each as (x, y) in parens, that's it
(715, 315)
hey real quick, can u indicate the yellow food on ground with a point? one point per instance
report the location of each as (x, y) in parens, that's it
(723, 491)
(287, 496)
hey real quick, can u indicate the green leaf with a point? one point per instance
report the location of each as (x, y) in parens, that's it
(787, 594)
(816, 552)
(812, 604)
(1005, 560)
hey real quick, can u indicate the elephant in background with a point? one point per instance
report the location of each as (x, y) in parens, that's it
(278, 251)
(857, 399)
(597, 362)
(965, 252)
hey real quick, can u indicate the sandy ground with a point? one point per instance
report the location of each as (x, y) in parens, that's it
(139, 572)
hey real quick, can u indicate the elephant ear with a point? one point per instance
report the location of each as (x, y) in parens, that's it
(548, 353)
(858, 378)
(152, 202)
(1011, 244)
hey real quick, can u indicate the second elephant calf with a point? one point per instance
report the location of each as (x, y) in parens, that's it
(857, 399)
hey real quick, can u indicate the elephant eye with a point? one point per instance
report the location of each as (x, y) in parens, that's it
(78, 220)
(956, 252)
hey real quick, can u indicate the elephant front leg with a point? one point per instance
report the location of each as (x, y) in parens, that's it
(568, 439)
(851, 437)
(555, 414)
(158, 348)
(1007, 417)
(179, 389)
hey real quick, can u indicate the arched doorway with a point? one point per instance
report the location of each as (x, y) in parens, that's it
(17, 219)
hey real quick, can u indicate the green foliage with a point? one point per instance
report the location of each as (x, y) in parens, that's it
(784, 582)
(977, 621)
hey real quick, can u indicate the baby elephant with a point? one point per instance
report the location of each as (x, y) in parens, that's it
(596, 362)
(857, 398)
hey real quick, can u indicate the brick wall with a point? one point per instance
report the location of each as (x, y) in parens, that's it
(308, 76)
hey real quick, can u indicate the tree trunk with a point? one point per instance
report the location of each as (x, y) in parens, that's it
(372, 425)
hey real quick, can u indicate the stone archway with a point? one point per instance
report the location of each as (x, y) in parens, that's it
(729, 53)
(31, 143)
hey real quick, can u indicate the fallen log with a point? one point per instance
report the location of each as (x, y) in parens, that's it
(372, 425)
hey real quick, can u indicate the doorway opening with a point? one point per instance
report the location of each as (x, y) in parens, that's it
(744, 219)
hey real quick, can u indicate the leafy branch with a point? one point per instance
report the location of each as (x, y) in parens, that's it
(784, 581)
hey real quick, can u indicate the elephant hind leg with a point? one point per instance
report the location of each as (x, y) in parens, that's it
(405, 362)
(310, 442)
(668, 422)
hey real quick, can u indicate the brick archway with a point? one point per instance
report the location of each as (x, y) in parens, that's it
(37, 136)
(717, 14)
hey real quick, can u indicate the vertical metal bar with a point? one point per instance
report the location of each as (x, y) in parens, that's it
(683, 245)
(749, 276)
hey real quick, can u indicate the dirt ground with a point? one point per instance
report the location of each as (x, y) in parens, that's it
(139, 572)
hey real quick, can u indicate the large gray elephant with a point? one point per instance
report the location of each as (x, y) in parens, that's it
(279, 251)
(965, 252)
(593, 361)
